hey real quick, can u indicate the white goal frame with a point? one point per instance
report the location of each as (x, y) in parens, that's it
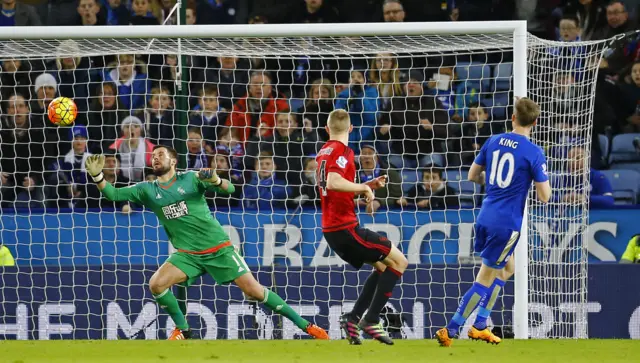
(517, 28)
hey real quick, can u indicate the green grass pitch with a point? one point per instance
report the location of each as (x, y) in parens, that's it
(539, 351)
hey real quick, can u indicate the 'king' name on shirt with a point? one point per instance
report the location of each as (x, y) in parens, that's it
(508, 143)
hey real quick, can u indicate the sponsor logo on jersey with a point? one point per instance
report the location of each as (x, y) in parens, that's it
(158, 196)
(544, 169)
(181, 191)
(342, 162)
(176, 210)
(326, 151)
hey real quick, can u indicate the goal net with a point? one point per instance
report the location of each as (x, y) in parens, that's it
(255, 108)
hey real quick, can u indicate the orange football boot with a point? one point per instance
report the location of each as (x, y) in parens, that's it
(178, 334)
(316, 332)
(443, 337)
(485, 335)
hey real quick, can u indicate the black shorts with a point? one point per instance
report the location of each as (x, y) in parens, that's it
(357, 245)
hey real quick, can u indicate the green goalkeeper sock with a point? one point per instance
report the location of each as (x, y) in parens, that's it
(167, 301)
(277, 305)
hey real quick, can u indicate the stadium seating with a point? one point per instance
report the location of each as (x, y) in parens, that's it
(603, 141)
(623, 150)
(409, 179)
(497, 104)
(469, 191)
(502, 73)
(625, 184)
(626, 166)
(475, 72)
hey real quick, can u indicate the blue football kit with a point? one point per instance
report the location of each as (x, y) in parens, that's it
(511, 163)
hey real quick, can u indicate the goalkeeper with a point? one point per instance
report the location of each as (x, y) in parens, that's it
(177, 199)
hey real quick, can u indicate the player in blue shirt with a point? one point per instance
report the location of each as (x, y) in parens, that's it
(511, 162)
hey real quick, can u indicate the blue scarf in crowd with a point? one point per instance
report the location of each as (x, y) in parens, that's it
(365, 177)
(200, 160)
(236, 154)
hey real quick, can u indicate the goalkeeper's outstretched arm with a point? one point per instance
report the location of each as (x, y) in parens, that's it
(94, 166)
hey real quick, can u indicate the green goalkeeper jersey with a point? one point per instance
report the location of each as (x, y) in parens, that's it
(181, 208)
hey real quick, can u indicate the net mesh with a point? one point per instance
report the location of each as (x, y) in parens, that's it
(256, 108)
(561, 81)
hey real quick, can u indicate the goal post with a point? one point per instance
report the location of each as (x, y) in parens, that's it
(282, 241)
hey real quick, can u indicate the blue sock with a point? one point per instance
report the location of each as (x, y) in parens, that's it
(486, 305)
(468, 303)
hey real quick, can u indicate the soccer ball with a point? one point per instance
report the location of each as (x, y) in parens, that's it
(62, 111)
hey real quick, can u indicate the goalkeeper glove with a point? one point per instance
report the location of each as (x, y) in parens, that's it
(210, 176)
(94, 166)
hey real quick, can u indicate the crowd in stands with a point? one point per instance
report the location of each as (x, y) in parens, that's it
(419, 119)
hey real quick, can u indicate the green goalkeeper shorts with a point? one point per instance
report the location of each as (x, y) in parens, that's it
(224, 266)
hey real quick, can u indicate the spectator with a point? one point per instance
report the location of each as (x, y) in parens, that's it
(15, 13)
(453, 95)
(46, 89)
(632, 252)
(569, 58)
(474, 132)
(313, 11)
(565, 92)
(16, 77)
(72, 163)
(144, 13)
(208, 115)
(134, 149)
(433, 192)
(132, 83)
(601, 194)
(361, 100)
(159, 117)
(89, 13)
(163, 70)
(257, 108)
(630, 100)
(307, 193)
(569, 29)
(418, 126)
(22, 162)
(105, 113)
(230, 81)
(74, 75)
(220, 163)
(191, 14)
(265, 191)
(288, 146)
(591, 13)
(117, 13)
(393, 11)
(385, 75)
(618, 21)
(388, 196)
(71, 170)
(317, 107)
(619, 58)
(113, 174)
(230, 145)
(196, 157)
